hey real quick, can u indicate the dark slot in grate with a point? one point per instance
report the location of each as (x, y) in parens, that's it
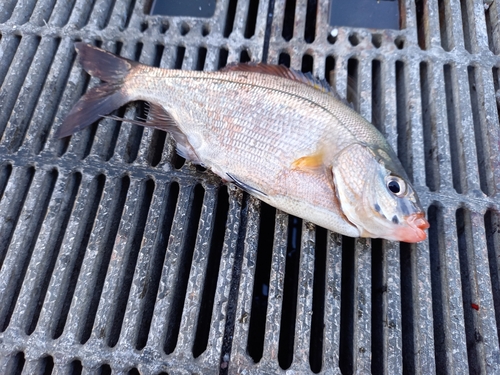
(24, 178)
(318, 302)
(332, 37)
(400, 42)
(284, 59)
(205, 30)
(377, 96)
(230, 16)
(16, 364)
(352, 94)
(438, 278)
(289, 306)
(105, 370)
(223, 55)
(159, 50)
(156, 147)
(422, 21)
(134, 136)
(432, 175)
(129, 12)
(212, 270)
(329, 67)
(491, 30)
(404, 133)
(51, 96)
(10, 44)
(253, 7)
(288, 20)
(45, 183)
(310, 25)
(496, 86)
(307, 64)
(244, 56)
(256, 332)
(116, 206)
(377, 40)
(184, 28)
(236, 272)
(135, 239)
(456, 147)
(167, 211)
(470, 300)
(379, 289)
(353, 39)
(134, 142)
(444, 26)
(76, 367)
(69, 98)
(16, 77)
(347, 320)
(466, 26)
(406, 254)
(91, 204)
(480, 136)
(202, 55)
(72, 184)
(183, 272)
(5, 172)
(111, 131)
(47, 365)
(159, 137)
(181, 50)
(178, 161)
(492, 229)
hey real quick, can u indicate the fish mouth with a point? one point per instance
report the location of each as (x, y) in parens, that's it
(414, 230)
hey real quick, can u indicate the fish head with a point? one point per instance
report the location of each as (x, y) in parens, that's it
(376, 195)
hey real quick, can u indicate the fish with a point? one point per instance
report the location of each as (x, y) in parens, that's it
(282, 136)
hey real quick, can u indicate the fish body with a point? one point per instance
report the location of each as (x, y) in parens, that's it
(282, 136)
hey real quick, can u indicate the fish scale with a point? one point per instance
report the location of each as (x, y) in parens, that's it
(288, 117)
(278, 134)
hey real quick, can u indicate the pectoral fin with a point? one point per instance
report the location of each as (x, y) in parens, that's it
(314, 162)
(244, 186)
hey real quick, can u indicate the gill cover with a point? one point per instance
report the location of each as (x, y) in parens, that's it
(370, 199)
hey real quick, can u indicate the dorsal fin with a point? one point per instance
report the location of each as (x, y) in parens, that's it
(283, 71)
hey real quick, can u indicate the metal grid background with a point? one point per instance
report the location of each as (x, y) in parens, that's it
(116, 256)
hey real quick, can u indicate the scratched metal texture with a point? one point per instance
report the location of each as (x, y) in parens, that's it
(118, 257)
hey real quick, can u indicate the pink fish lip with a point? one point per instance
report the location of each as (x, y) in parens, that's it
(414, 230)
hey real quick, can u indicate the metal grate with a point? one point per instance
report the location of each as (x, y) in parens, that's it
(116, 256)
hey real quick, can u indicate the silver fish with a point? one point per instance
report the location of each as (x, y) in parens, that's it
(280, 135)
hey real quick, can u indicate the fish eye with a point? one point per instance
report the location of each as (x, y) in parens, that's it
(396, 186)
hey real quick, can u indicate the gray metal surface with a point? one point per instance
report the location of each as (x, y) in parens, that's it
(116, 256)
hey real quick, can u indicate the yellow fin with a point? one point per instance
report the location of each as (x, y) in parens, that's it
(309, 162)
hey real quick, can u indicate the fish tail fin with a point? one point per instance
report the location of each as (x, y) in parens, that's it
(102, 99)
